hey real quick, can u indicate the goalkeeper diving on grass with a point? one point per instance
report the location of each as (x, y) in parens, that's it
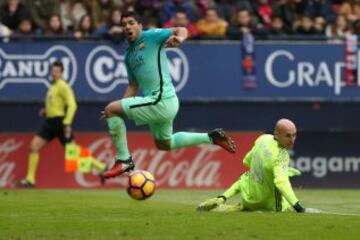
(266, 185)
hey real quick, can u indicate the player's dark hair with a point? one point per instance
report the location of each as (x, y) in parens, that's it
(133, 15)
(59, 64)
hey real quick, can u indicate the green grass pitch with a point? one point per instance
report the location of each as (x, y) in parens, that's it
(169, 214)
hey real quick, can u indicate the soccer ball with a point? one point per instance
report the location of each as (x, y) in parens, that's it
(141, 185)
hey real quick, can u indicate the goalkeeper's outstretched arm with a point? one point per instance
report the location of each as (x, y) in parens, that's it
(212, 203)
(233, 190)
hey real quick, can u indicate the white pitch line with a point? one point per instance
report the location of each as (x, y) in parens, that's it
(339, 213)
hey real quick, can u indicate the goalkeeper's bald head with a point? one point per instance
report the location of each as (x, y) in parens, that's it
(285, 133)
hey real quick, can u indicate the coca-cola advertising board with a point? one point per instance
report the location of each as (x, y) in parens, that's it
(204, 166)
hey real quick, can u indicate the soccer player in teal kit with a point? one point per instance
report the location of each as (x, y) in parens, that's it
(147, 70)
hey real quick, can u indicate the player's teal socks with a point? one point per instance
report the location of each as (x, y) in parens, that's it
(187, 139)
(117, 130)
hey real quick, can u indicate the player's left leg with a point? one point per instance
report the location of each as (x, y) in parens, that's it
(114, 114)
(165, 140)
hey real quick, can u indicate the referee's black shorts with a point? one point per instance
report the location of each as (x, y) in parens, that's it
(54, 127)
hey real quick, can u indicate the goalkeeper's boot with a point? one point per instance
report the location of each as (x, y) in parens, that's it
(219, 138)
(119, 168)
(24, 183)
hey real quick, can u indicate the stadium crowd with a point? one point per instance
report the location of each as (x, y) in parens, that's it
(204, 19)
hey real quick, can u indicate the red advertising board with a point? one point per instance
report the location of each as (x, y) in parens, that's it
(204, 166)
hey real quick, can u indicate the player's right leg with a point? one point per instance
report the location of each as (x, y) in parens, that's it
(114, 114)
(165, 141)
(37, 143)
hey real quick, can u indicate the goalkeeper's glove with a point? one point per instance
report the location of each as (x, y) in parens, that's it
(211, 203)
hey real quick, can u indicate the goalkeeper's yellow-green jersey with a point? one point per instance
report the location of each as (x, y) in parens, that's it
(60, 102)
(266, 185)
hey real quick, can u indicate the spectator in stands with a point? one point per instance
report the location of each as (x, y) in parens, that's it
(147, 9)
(277, 28)
(285, 9)
(320, 8)
(263, 10)
(200, 7)
(180, 20)
(298, 6)
(356, 27)
(41, 10)
(25, 29)
(351, 9)
(319, 25)
(112, 29)
(338, 29)
(151, 22)
(172, 6)
(71, 12)
(243, 23)
(11, 13)
(54, 26)
(212, 26)
(85, 28)
(226, 8)
(130, 6)
(306, 26)
(5, 32)
(87, 5)
(100, 11)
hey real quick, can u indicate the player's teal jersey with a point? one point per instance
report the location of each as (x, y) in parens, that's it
(146, 63)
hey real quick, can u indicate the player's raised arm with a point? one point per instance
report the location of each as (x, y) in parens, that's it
(180, 34)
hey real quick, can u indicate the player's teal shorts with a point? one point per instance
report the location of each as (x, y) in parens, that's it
(159, 117)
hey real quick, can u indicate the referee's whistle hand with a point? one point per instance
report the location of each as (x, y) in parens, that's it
(67, 131)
